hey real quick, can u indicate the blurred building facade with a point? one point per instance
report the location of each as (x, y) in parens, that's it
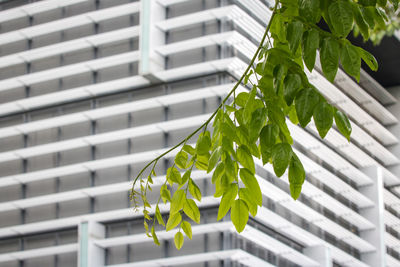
(91, 90)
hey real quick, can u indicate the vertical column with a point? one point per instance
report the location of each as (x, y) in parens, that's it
(319, 253)
(151, 37)
(90, 255)
(395, 129)
(375, 215)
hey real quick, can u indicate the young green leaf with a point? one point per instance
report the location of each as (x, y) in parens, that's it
(305, 102)
(291, 85)
(159, 216)
(251, 183)
(341, 17)
(343, 124)
(246, 195)
(330, 58)
(194, 190)
(186, 177)
(368, 58)
(239, 215)
(177, 202)
(323, 118)
(268, 137)
(294, 33)
(226, 201)
(181, 159)
(165, 194)
(309, 9)
(189, 149)
(296, 176)
(174, 176)
(178, 240)
(153, 234)
(258, 120)
(245, 158)
(191, 210)
(214, 158)
(218, 172)
(379, 18)
(382, 3)
(203, 144)
(230, 169)
(173, 221)
(281, 155)
(362, 25)
(276, 116)
(351, 60)
(367, 2)
(187, 228)
(278, 28)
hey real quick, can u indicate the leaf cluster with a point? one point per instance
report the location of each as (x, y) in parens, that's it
(254, 125)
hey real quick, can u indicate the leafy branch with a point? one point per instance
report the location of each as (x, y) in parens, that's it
(254, 124)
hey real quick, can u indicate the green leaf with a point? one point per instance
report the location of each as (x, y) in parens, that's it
(310, 46)
(165, 194)
(294, 33)
(250, 105)
(382, 3)
(379, 18)
(186, 176)
(268, 138)
(191, 210)
(214, 158)
(226, 201)
(309, 9)
(194, 190)
(341, 17)
(187, 228)
(203, 144)
(291, 85)
(330, 58)
(323, 118)
(351, 60)
(297, 176)
(159, 216)
(281, 155)
(246, 195)
(174, 176)
(367, 2)
(178, 240)
(153, 234)
(173, 221)
(368, 58)
(177, 202)
(181, 159)
(305, 102)
(368, 15)
(258, 120)
(241, 99)
(278, 28)
(218, 172)
(239, 215)
(230, 168)
(202, 162)
(189, 149)
(251, 183)
(245, 158)
(362, 25)
(278, 117)
(343, 124)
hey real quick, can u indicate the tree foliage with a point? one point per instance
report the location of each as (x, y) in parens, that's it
(253, 124)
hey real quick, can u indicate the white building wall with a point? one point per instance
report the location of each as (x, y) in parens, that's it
(88, 95)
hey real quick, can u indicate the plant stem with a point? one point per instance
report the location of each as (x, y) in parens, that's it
(223, 101)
